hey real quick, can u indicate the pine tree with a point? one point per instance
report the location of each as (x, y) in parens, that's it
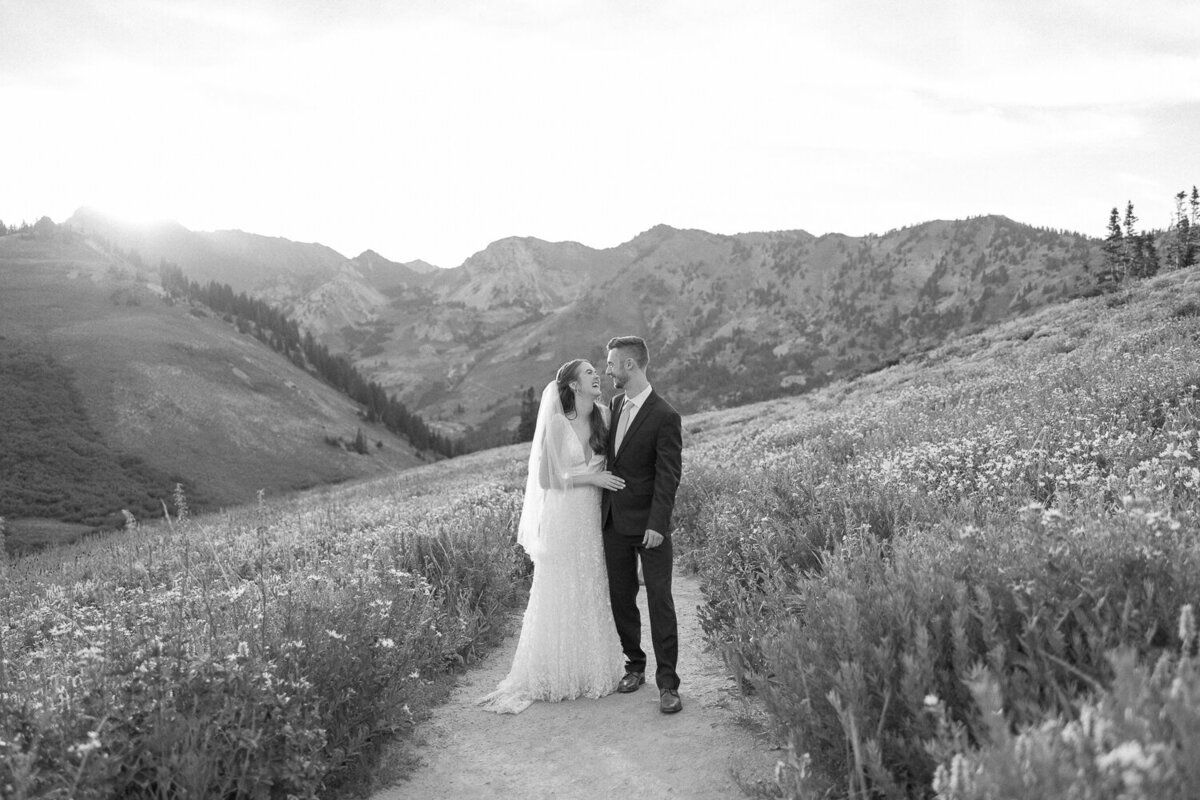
(1131, 236)
(1140, 254)
(1194, 228)
(529, 412)
(1181, 249)
(360, 443)
(1146, 264)
(1114, 251)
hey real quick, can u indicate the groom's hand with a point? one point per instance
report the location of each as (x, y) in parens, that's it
(652, 538)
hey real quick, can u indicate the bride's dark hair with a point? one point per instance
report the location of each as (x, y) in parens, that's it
(567, 373)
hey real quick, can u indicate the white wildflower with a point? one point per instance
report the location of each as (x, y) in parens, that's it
(93, 743)
(1124, 755)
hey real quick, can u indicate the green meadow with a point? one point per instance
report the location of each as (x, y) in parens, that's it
(969, 575)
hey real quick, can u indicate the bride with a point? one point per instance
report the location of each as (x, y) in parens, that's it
(568, 646)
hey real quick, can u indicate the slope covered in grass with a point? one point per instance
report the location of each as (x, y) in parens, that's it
(887, 563)
(263, 651)
(53, 463)
(1008, 510)
(110, 393)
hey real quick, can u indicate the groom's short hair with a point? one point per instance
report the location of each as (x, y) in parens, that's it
(634, 345)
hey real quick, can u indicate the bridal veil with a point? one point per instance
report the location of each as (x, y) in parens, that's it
(549, 469)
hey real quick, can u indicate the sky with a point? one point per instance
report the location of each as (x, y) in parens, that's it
(427, 129)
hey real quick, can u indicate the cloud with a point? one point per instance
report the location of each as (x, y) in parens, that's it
(427, 128)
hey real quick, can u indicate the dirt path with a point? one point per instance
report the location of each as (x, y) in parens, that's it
(618, 746)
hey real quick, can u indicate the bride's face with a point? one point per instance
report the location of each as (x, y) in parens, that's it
(587, 381)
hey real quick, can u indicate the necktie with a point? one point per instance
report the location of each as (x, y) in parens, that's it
(627, 411)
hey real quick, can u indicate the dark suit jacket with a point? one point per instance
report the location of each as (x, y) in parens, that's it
(650, 462)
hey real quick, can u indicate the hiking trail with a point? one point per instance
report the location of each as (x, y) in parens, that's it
(618, 746)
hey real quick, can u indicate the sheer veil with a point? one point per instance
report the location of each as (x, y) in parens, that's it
(547, 468)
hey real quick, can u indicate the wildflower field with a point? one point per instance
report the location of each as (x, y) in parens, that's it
(969, 575)
(262, 652)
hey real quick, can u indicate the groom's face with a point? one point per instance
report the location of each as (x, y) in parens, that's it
(615, 369)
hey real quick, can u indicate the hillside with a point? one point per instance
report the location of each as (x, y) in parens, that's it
(1004, 529)
(731, 319)
(246, 261)
(311, 283)
(996, 535)
(169, 389)
(978, 561)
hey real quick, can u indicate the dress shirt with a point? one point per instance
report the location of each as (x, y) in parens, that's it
(628, 412)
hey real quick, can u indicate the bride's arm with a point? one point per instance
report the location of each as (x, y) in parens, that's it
(559, 471)
(602, 480)
(556, 470)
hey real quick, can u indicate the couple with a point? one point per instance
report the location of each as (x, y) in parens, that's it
(599, 495)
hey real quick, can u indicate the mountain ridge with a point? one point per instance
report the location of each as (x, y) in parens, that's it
(173, 385)
(731, 317)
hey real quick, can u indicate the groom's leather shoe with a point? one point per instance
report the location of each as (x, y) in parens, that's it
(669, 702)
(631, 682)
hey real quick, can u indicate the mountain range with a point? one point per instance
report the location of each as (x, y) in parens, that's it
(729, 318)
(105, 383)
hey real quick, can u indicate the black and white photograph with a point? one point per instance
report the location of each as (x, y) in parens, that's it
(589, 399)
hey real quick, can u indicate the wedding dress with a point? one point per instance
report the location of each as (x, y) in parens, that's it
(568, 646)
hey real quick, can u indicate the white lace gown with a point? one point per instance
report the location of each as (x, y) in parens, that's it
(568, 647)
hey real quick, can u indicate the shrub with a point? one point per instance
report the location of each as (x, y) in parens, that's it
(846, 659)
(267, 652)
(1139, 740)
(875, 544)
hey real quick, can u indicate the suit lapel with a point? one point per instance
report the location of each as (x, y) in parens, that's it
(636, 423)
(642, 413)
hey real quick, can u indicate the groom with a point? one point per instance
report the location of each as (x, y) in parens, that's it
(645, 442)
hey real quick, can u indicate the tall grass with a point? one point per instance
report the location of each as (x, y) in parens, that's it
(1141, 739)
(1021, 504)
(964, 563)
(262, 652)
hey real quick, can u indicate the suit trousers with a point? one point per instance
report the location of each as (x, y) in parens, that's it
(621, 553)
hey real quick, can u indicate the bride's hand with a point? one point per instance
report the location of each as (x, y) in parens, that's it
(606, 480)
